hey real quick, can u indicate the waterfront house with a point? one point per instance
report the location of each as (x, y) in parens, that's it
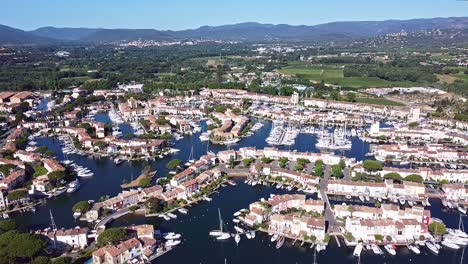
(13, 180)
(399, 231)
(52, 165)
(455, 192)
(190, 187)
(75, 237)
(298, 226)
(125, 252)
(182, 177)
(26, 156)
(153, 191)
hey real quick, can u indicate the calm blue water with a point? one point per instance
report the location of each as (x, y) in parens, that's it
(104, 118)
(197, 246)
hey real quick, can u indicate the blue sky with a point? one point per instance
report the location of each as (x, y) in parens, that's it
(184, 14)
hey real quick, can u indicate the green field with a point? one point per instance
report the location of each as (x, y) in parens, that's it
(334, 75)
(316, 73)
(461, 76)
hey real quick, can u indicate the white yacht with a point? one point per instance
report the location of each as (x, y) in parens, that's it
(390, 249)
(73, 186)
(357, 250)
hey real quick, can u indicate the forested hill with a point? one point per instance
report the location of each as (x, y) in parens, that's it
(238, 32)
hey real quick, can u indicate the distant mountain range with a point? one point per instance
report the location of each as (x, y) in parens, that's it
(241, 32)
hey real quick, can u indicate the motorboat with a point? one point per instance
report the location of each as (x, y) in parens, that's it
(450, 244)
(457, 232)
(237, 238)
(357, 250)
(224, 236)
(238, 229)
(361, 198)
(376, 249)
(320, 247)
(182, 210)
(171, 215)
(235, 220)
(402, 201)
(456, 240)
(67, 162)
(172, 243)
(280, 242)
(348, 197)
(414, 248)
(252, 234)
(274, 238)
(216, 233)
(461, 209)
(59, 191)
(172, 236)
(237, 213)
(390, 249)
(165, 217)
(248, 235)
(73, 186)
(76, 214)
(432, 247)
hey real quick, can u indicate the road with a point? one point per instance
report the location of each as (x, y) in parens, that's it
(111, 217)
(333, 226)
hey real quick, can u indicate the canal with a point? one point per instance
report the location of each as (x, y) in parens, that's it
(197, 246)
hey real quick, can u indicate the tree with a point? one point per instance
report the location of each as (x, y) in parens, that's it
(351, 97)
(342, 164)
(56, 175)
(283, 161)
(6, 168)
(173, 164)
(266, 160)
(16, 195)
(302, 161)
(337, 171)
(39, 171)
(145, 182)
(62, 260)
(16, 245)
(413, 124)
(112, 236)
(154, 205)
(437, 228)
(372, 165)
(41, 149)
(49, 153)
(7, 225)
(319, 168)
(41, 260)
(393, 176)
(247, 162)
(82, 206)
(414, 178)
(334, 95)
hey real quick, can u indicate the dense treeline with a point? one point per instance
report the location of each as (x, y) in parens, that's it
(392, 73)
(104, 66)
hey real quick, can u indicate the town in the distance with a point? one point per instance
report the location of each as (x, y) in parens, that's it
(168, 150)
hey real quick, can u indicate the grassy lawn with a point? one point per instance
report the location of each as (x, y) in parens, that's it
(462, 76)
(334, 75)
(316, 73)
(365, 82)
(378, 101)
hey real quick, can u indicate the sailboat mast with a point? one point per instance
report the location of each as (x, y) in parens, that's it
(220, 221)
